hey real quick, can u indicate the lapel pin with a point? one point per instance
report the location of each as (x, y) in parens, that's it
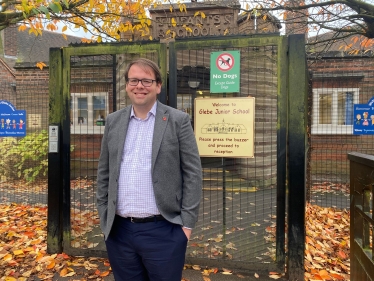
(164, 118)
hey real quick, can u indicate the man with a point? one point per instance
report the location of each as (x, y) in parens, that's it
(149, 182)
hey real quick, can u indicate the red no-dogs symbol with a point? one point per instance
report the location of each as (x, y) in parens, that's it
(225, 62)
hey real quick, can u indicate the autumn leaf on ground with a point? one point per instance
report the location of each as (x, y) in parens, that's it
(327, 248)
(275, 275)
(196, 267)
(23, 247)
(23, 235)
(226, 271)
(63, 272)
(105, 273)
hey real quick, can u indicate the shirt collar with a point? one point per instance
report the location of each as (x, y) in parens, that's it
(151, 112)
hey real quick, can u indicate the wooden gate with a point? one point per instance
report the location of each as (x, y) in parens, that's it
(246, 203)
(361, 224)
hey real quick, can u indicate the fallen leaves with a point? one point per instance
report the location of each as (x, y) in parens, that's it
(226, 271)
(275, 275)
(206, 272)
(330, 187)
(327, 245)
(23, 248)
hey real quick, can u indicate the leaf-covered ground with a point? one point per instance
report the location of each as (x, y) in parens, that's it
(23, 247)
(327, 246)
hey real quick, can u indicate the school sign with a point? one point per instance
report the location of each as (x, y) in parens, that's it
(364, 118)
(12, 121)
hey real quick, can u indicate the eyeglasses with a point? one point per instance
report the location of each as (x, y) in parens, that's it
(145, 82)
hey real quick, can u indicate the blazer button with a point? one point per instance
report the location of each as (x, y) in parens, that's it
(114, 202)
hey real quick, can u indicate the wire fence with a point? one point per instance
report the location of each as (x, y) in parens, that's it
(238, 208)
(250, 185)
(337, 84)
(24, 160)
(330, 139)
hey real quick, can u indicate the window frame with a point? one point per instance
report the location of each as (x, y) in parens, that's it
(334, 128)
(90, 127)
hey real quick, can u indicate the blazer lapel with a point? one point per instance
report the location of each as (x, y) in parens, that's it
(161, 121)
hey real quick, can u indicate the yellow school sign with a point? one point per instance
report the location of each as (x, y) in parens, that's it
(224, 127)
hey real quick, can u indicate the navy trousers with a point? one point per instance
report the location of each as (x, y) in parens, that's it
(150, 251)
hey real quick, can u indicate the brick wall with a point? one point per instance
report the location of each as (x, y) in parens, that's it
(351, 73)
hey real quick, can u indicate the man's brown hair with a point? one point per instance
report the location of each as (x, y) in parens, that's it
(145, 64)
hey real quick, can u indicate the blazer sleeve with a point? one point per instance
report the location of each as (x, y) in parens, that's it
(191, 172)
(103, 177)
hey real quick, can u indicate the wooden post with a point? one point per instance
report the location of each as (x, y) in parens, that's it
(54, 219)
(297, 147)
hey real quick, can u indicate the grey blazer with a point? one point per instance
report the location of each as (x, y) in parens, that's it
(176, 166)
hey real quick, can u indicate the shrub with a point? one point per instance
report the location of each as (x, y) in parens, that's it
(8, 158)
(25, 158)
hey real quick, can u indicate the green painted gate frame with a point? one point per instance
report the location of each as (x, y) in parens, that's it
(291, 133)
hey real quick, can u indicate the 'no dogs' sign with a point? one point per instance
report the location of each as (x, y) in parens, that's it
(225, 72)
(225, 62)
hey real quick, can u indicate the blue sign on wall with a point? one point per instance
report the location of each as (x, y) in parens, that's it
(12, 121)
(364, 118)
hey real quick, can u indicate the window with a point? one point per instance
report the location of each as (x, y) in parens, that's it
(184, 103)
(333, 110)
(88, 112)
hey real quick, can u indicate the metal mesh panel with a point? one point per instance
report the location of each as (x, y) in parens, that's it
(337, 84)
(237, 217)
(93, 97)
(238, 209)
(91, 100)
(23, 163)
